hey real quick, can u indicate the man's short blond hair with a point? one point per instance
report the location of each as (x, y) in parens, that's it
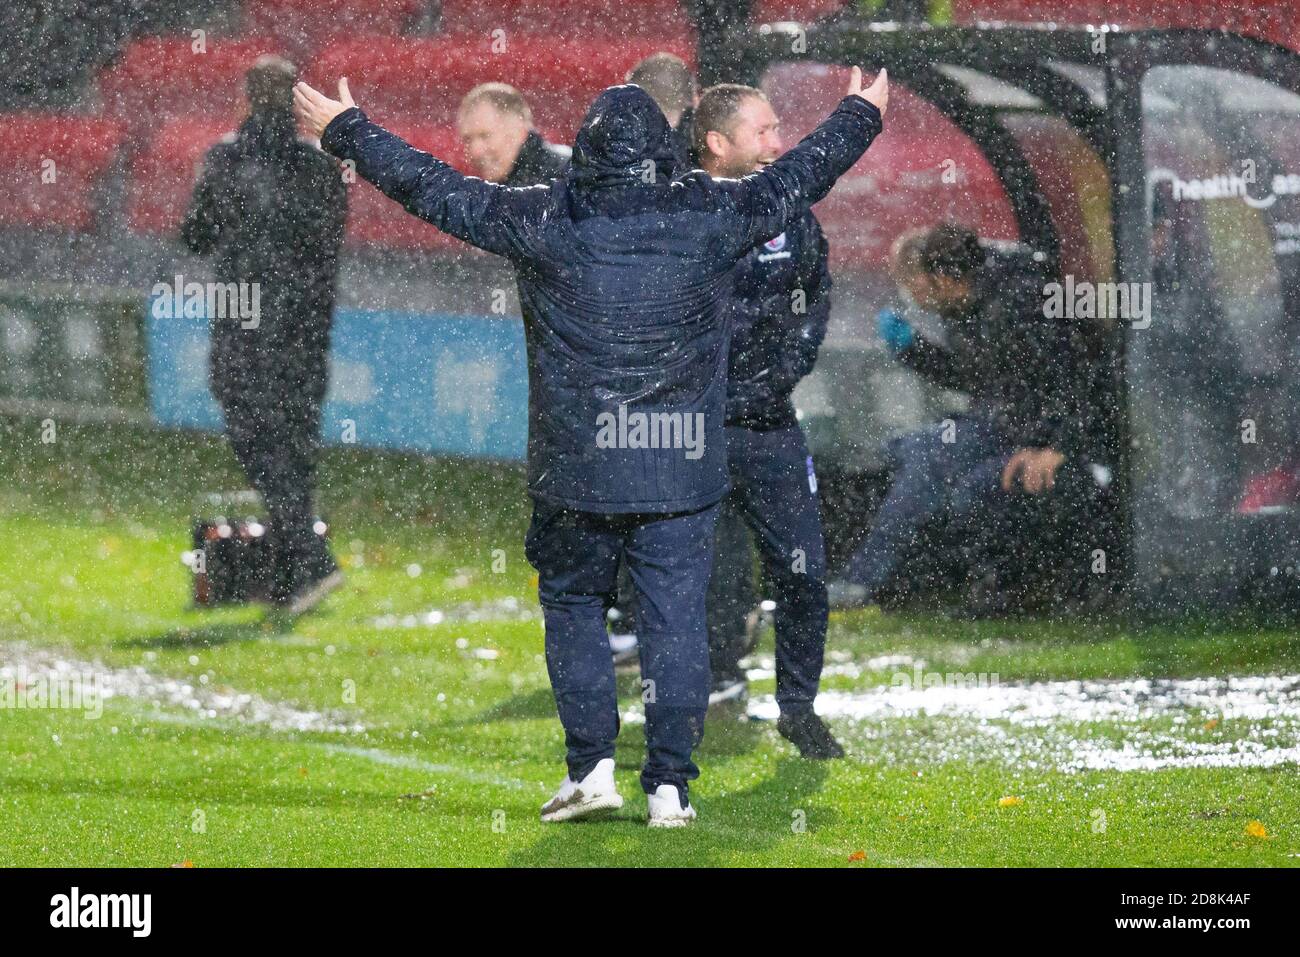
(905, 252)
(667, 79)
(504, 97)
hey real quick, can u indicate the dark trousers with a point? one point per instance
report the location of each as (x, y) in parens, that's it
(773, 495)
(273, 424)
(668, 557)
(961, 478)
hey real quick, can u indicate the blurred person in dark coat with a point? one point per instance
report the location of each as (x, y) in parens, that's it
(1023, 373)
(670, 83)
(270, 208)
(495, 125)
(719, 58)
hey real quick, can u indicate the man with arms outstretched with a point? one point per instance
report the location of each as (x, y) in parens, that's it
(623, 277)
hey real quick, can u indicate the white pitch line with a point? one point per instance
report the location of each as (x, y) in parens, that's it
(176, 701)
(393, 759)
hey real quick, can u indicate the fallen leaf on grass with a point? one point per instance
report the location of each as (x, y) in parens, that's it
(419, 795)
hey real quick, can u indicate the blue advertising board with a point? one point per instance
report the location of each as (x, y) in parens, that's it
(419, 381)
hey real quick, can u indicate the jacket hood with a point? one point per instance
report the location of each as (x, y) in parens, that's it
(624, 127)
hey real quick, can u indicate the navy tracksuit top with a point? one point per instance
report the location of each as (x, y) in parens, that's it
(624, 278)
(779, 310)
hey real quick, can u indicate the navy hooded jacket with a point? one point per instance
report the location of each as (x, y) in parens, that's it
(624, 277)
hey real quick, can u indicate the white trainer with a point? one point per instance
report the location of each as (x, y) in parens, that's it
(666, 808)
(574, 800)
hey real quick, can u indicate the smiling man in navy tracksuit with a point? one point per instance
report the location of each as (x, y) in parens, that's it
(779, 308)
(624, 275)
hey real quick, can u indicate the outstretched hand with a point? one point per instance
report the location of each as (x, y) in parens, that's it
(877, 94)
(315, 109)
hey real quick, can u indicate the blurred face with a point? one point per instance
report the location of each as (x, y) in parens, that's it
(492, 139)
(753, 141)
(933, 293)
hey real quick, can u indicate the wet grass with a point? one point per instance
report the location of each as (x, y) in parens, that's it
(461, 748)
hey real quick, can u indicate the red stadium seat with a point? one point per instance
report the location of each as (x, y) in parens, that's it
(393, 76)
(1076, 185)
(571, 19)
(162, 77)
(308, 24)
(423, 79)
(164, 173)
(35, 193)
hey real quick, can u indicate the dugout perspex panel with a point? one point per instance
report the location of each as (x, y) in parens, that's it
(1162, 162)
(1213, 380)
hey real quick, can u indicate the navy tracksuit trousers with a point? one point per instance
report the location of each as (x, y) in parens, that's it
(933, 474)
(774, 493)
(669, 558)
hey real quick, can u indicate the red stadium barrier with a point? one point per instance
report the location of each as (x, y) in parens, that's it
(896, 185)
(1269, 19)
(301, 25)
(50, 166)
(801, 11)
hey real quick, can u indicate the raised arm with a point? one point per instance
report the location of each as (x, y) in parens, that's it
(770, 200)
(466, 207)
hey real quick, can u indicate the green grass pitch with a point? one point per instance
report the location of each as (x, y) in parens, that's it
(409, 720)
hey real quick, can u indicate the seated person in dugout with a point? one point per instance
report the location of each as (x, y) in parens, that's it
(985, 470)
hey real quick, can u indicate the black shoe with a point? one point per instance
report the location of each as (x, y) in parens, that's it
(809, 734)
(310, 594)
